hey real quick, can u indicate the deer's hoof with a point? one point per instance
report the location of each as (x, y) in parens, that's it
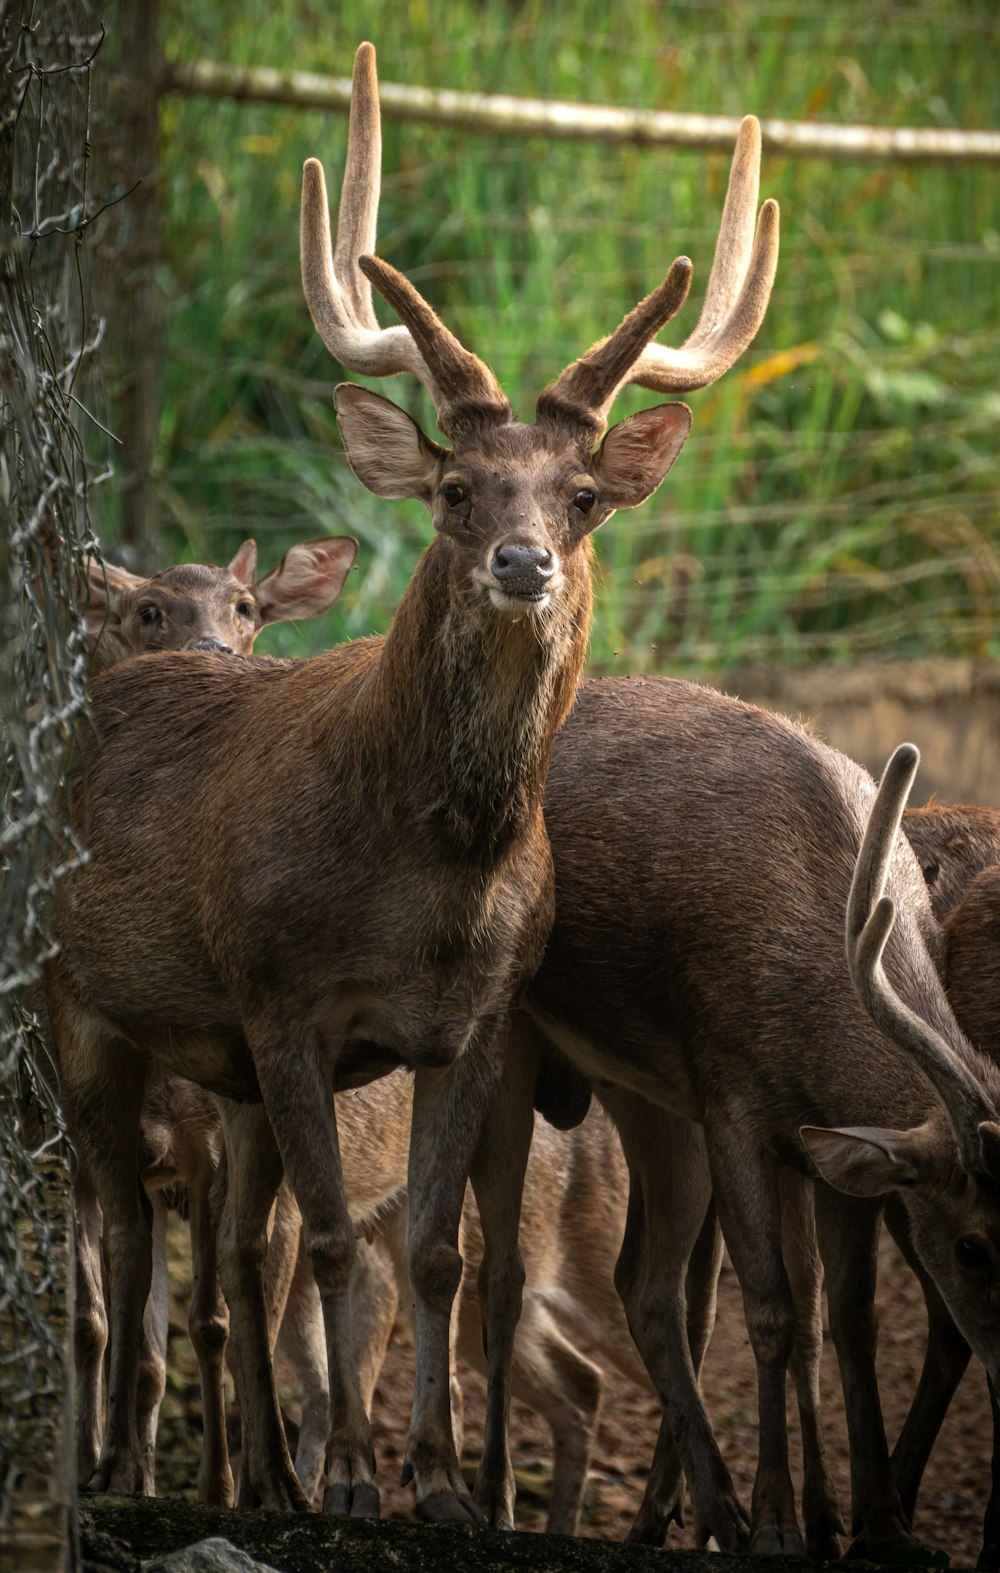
(777, 1540)
(360, 1500)
(447, 1507)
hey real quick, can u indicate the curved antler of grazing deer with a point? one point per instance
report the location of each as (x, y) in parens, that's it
(870, 918)
(739, 288)
(338, 291)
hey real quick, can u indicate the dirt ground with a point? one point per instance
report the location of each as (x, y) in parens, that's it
(955, 1486)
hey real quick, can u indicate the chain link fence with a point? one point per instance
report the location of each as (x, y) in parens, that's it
(48, 352)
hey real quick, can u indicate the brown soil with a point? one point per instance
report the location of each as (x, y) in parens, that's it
(955, 1486)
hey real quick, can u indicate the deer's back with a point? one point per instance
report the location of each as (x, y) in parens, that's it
(704, 851)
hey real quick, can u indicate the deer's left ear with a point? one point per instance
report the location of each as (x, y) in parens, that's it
(637, 453)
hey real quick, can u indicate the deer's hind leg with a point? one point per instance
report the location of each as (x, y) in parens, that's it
(669, 1200)
(745, 1184)
(102, 1078)
(820, 1509)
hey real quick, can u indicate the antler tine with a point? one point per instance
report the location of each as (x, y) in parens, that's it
(337, 292)
(872, 866)
(739, 288)
(357, 219)
(465, 389)
(871, 916)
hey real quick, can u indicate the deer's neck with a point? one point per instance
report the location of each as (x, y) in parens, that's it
(469, 701)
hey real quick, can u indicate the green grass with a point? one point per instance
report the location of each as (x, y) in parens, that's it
(840, 500)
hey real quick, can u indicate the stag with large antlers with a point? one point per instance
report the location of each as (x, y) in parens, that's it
(349, 860)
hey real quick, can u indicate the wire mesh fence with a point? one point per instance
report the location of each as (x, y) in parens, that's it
(840, 491)
(48, 345)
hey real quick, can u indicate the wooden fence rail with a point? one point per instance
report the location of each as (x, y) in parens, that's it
(489, 113)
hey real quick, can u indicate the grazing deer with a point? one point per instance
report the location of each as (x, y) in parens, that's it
(959, 851)
(189, 607)
(349, 859)
(197, 607)
(704, 851)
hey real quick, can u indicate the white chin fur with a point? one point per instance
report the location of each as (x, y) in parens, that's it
(514, 606)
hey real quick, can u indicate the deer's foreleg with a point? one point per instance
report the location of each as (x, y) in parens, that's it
(945, 1363)
(848, 1230)
(449, 1107)
(498, 1181)
(299, 1100)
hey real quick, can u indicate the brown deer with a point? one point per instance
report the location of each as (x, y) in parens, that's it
(704, 851)
(958, 848)
(192, 606)
(349, 860)
(198, 607)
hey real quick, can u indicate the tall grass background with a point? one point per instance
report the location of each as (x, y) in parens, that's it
(838, 494)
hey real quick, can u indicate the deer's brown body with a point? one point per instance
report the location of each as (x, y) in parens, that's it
(194, 606)
(697, 962)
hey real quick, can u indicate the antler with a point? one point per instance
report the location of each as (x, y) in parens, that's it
(739, 288)
(338, 291)
(870, 918)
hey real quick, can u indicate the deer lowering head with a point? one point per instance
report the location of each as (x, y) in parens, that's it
(946, 1169)
(198, 607)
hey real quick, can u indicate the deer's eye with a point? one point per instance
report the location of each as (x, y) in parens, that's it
(244, 609)
(453, 494)
(149, 615)
(971, 1252)
(585, 499)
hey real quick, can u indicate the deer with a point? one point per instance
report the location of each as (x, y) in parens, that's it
(958, 847)
(195, 606)
(350, 860)
(192, 606)
(696, 969)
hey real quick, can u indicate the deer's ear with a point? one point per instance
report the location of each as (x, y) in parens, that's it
(863, 1160)
(637, 453)
(106, 586)
(307, 581)
(244, 565)
(387, 450)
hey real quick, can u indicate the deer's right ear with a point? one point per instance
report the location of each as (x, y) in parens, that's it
(307, 581)
(387, 450)
(106, 584)
(863, 1160)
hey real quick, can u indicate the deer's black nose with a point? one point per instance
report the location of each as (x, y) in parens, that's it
(212, 644)
(523, 570)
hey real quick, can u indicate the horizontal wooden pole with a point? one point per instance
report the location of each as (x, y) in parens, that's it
(490, 113)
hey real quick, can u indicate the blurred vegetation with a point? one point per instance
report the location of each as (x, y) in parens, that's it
(839, 491)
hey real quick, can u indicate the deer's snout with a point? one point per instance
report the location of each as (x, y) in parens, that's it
(212, 644)
(523, 572)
